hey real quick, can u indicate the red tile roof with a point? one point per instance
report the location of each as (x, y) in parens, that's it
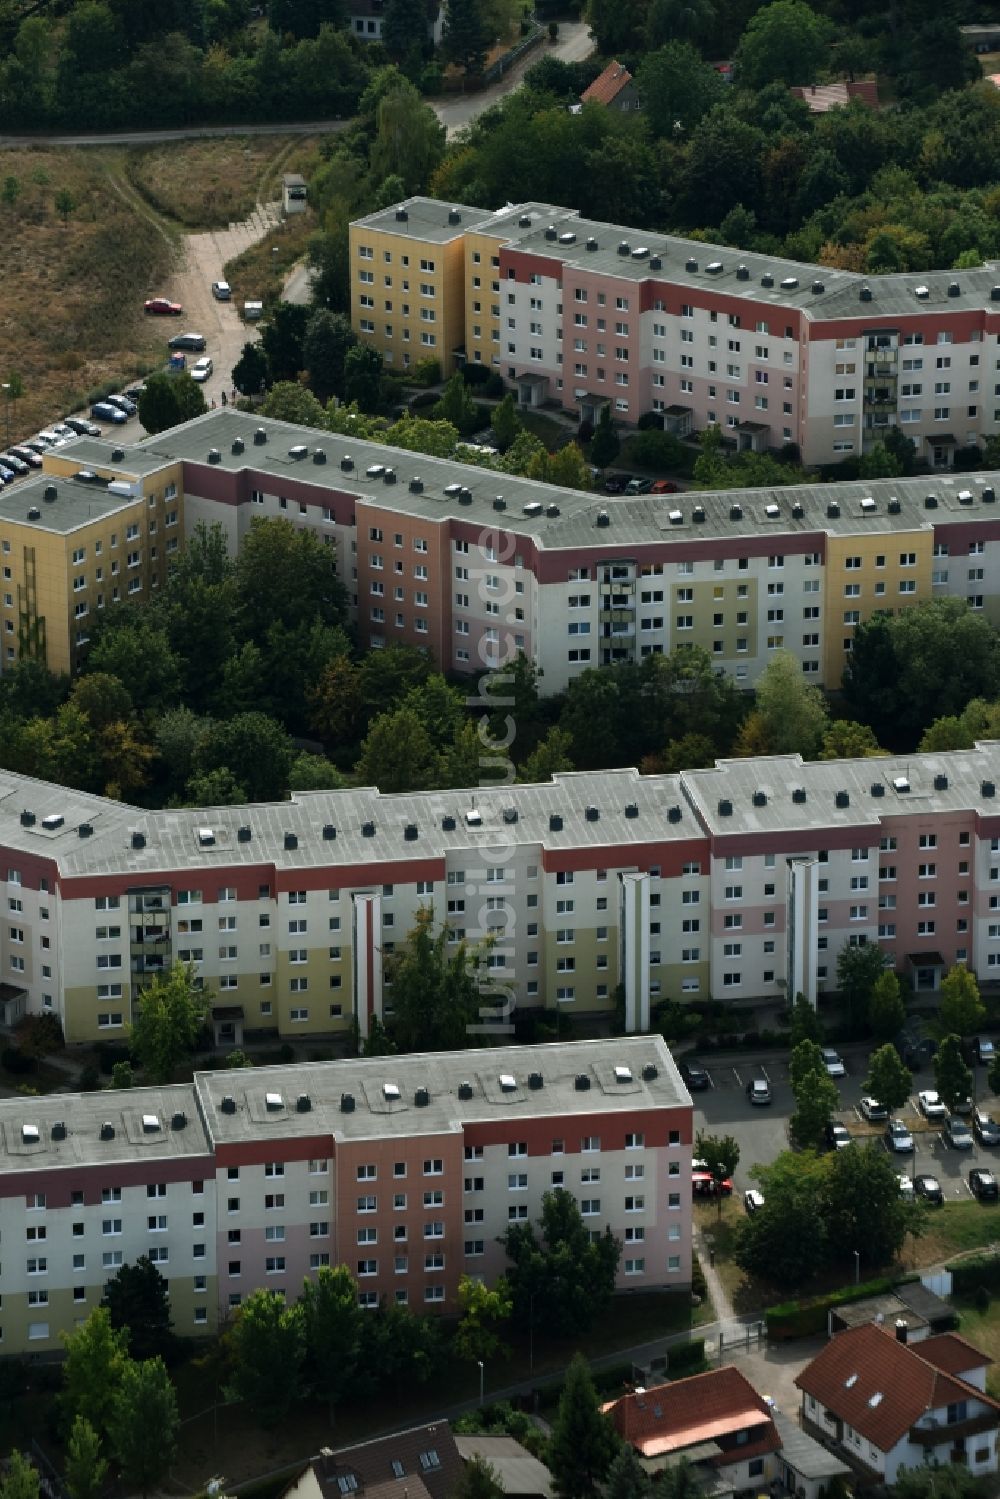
(607, 85)
(706, 1407)
(822, 97)
(882, 1387)
(952, 1354)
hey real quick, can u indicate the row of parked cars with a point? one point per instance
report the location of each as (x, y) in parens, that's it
(21, 457)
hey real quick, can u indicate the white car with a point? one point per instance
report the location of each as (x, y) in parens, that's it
(873, 1111)
(221, 291)
(905, 1186)
(930, 1105)
(753, 1200)
(201, 369)
(833, 1063)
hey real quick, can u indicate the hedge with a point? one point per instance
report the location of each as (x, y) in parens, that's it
(980, 1270)
(686, 1358)
(805, 1319)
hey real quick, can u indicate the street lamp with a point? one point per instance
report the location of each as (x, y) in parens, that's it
(482, 1381)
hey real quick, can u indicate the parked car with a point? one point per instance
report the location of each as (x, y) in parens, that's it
(38, 446)
(759, 1090)
(703, 1184)
(195, 341)
(6, 474)
(617, 483)
(638, 486)
(905, 1186)
(985, 1129)
(695, 1077)
(928, 1187)
(221, 291)
(124, 404)
(984, 1049)
(930, 1105)
(897, 1136)
(82, 427)
(958, 1134)
(753, 1201)
(872, 1110)
(27, 455)
(103, 411)
(13, 461)
(664, 486)
(47, 438)
(201, 369)
(836, 1135)
(87, 476)
(833, 1062)
(163, 307)
(983, 1184)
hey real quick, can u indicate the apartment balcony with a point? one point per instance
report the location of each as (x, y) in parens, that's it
(147, 963)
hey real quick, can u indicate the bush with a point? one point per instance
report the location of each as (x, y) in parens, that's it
(38, 1035)
(12, 1059)
(494, 388)
(686, 1358)
(425, 372)
(650, 421)
(806, 1319)
(699, 1285)
(109, 1054)
(287, 1052)
(423, 399)
(655, 450)
(90, 1079)
(584, 433)
(476, 374)
(981, 1272)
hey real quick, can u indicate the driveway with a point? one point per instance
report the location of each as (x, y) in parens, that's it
(574, 44)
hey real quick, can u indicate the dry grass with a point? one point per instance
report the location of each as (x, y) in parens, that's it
(211, 183)
(259, 273)
(71, 311)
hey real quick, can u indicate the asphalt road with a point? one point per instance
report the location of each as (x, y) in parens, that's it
(762, 1131)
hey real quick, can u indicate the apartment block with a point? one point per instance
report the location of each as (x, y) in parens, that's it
(474, 566)
(592, 315)
(406, 1169)
(75, 542)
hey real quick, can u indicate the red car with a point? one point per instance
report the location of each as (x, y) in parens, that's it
(665, 486)
(703, 1185)
(164, 307)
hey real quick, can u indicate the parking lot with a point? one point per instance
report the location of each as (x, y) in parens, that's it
(762, 1131)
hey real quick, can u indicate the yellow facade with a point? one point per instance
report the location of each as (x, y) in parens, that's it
(408, 295)
(865, 575)
(482, 298)
(723, 616)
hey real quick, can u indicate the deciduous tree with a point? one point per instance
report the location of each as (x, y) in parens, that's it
(255, 749)
(171, 1013)
(863, 1209)
(721, 1154)
(144, 1424)
(438, 988)
(328, 337)
(961, 1010)
(559, 1278)
(282, 337)
(886, 1011)
(251, 372)
(784, 1242)
(858, 971)
(889, 1079)
(21, 1480)
(268, 1346)
(605, 443)
(96, 1355)
(952, 1076)
(331, 1329)
(85, 1468)
(805, 1022)
(677, 88)
(483, 1309)
(790, 714)
(785, 42)
(290, 401)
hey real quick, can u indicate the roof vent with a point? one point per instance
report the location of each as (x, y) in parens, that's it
(736, 512)
(273, 1102)
(772, 511)
(581, 1082)
(900, 783)
(865, 294)
(743, 273)
(29, 1134)
(767, 279)
(206, 837)
(640, 252)
(178, 1119)
(759, 798)
(632, 809)
(508, 1082)
(691, 264)
(303, 1103)
(448, 824)
(988, 495)
(868, 503)
(988, 789)
(59, 1130)
(592, 245)
(298, 450)
(49, 492)
(535, 1081)
(214, 456)
(138, 840)
(510, 814)
(593, 814)
(368, 830)
(390, 1092)
(452, 490)
(674, 814)
(228, 1104)
(650, 1072)
(655, 263)
(421, 1098)
(474, 818)
(965, 496)
(27, 819)
(842, 799)
(698, 515)
(832, 509)
(346, 463)
(347, 1103)
(243, 834)
(532, 508)
(624, 248)
(499, 503)
(789, 283)
(569, 238)
(329, 832)
(291, 840)
(374, 470)
(524, 222)
(675, 517)
(797, 510)
(454, 217)
(995, 294)
(410, 832)
(603, 518)
(150, 1124)
(401, 215)
(725, 807)
(107, 1130)
(34, 513)
(465, 496)
(117, 455)
(551, 232)
(878, 789)
(923, 292)
(930, 501)
(818, 288)
(465, 1090)
(237, 445)
(260, 437)
(894, 506)
(940, 783)
(798, 794)
(954, 290)
(623, 1074)
(319, 455)
(552, 511)
(416, 486)
(85, 830)
(555, 822)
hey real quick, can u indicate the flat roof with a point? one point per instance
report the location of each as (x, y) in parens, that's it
(63, 505)
(173, 840)
(567, 518)
(427, 219)
(84, 1115)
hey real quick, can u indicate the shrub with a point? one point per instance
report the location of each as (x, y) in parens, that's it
(979, 1272)
(808, 1318)
(686, 1358)
(287, 1052)
(494, 388)
(12, 1059)
(650, 421)
(584, 432)
(90, 1079)
(38, 1035)
(110, 1053)
(423, 399)
(426, 372)
(699, 1285)
(476, 374)
(655, 450)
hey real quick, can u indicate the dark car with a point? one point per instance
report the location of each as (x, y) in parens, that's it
(985, 1129)
(104, 411)
(696, 1078)
(27, 455)
(928, 1187)
(836, 1135)
(194, 341)
(983, 1184)
(11, 460)
(82, 427)
(124, 404)
(617, 483)
(638, 486)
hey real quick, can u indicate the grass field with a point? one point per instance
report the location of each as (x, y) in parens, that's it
(260, 271)
(212, 183)
(950, 1230)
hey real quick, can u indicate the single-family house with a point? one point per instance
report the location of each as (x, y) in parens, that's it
(421, 1463)
(614, 88)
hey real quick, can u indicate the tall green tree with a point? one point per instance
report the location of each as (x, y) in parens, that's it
(438, 988)
(627, 1479)
(805, 1022)
(136, 1298)
(886, 1010)
(466, 40)
(332, 1332)
(961, 1010)
(21, 1480)
(605, 443)
(784, 1243)
(858, 971)
(479, 1480)
(398, 754)
(290, 401)
(409, 138)
(85, 1469)
(252, 371)
(786, 42)
(483, 1310)
(816, 1101)
(952, 1076)
(583, 1440)
(889, 1079)
(677, 88)
(457, 405)
(721, 1154)
(863, 1209)
(255, 749)
(505, 422)
(282, 337)
(287, 575)
(171, 1013)
(144, 1424)
(328, 337)
(789, 713)
(560, 1279)
(96, 1355)
(268, 1346)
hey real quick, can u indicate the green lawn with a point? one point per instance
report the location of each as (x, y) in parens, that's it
(983, 1330)
(951, 1229)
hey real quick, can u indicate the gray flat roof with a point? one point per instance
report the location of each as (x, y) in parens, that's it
(798, 510)
(74, 503)
(517, 1470)
(427, 219)
(950, 782)
(441, 1074)
(173, 837)
(84, 1115)
(809, 1458)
